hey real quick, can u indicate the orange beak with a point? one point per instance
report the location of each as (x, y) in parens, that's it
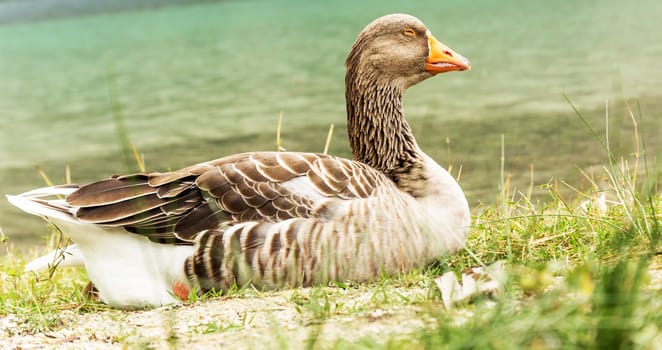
(442, 59)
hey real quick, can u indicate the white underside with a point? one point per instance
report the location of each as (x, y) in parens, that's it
(446, 211)
(128, 270)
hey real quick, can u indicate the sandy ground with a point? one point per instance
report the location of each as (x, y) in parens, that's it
(271, 322)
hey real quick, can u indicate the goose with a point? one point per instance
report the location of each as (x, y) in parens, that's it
(277, 219)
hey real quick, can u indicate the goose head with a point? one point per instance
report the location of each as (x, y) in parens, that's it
(399, 51)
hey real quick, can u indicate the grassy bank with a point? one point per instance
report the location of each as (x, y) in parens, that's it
(578, 273)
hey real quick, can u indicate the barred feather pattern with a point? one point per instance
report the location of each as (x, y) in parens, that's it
(355, 245)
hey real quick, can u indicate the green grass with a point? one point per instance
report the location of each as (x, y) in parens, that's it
(583, 271)
(36, 299)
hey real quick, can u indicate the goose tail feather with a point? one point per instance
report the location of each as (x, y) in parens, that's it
(68, 256)
(47, 202)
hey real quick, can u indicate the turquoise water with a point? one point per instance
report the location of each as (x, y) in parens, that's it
(202, 81)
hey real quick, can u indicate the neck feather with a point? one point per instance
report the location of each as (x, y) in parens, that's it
(379, 135)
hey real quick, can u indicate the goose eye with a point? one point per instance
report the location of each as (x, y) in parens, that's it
(409, 32)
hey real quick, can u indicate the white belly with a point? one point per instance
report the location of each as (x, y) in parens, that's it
(129, 270)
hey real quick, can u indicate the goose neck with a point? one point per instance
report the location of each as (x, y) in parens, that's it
(379, 134)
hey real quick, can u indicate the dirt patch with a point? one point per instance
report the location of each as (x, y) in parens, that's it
(269, 321)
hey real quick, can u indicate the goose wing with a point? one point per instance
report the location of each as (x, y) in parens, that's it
(174, 207)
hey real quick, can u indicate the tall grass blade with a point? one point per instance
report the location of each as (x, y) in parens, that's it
(328, 140)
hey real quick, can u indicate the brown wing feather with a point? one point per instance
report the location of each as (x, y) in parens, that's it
(113, 190)
(176, 206)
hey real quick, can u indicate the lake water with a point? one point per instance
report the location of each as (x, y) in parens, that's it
(195, 82)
